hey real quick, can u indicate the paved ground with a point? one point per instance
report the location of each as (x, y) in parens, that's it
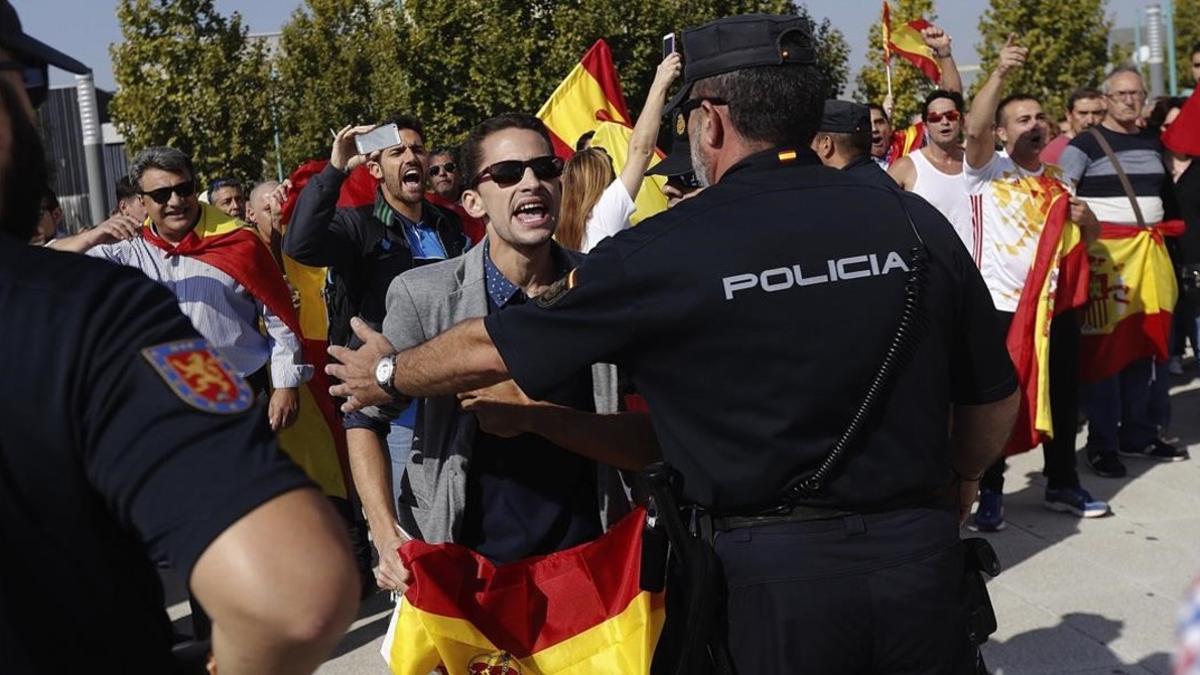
(1090, 597)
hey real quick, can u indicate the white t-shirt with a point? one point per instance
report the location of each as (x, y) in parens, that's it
(1009, 207)
(609, 216)
(947, 193)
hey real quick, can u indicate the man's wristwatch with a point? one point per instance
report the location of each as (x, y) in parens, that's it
(385, 371)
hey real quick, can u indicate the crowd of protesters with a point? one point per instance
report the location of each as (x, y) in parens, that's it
(512, 477)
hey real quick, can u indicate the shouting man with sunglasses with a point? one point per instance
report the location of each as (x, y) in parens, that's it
(503, 475)
(936, 171)
(446, 188)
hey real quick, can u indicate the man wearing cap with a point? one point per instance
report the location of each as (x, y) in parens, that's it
(755, 318)
(844, 142)
(677, 165)
(132, 442)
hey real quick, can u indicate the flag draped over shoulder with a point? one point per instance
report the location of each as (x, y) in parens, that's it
(1131, 297)
(906, 41)
(576, 611)
(317, 441)
(1057, 282)
(590, 99)
(590, 94)
(614, 138)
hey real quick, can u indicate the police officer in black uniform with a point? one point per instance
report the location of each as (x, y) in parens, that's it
(843, 141)
(804, 341)
(124, 440)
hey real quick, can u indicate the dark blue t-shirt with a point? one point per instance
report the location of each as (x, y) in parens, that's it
(525, 495)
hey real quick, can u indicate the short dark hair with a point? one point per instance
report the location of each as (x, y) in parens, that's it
(219, 183)
(1158, 114)
(444, 151)
(50, 200)
(582, 141)
(1196, 49)
(876, 106)
(1082, 94)
(403, 122)
(934, 95)
(853, 145)
(472, 148)
(162, 158)
(125, 189)
(1012, 98)
(779, 105)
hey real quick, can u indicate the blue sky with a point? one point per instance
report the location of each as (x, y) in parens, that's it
(85, 28)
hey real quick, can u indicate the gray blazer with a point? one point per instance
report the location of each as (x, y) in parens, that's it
(421, 303)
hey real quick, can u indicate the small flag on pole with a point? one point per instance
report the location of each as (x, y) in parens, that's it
(906, 41)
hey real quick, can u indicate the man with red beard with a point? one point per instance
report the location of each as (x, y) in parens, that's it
(936, 171)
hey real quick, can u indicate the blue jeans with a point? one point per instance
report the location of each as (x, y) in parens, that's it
(1121, 409)
(399, 445)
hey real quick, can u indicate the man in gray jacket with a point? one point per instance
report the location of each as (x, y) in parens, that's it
(491, 469)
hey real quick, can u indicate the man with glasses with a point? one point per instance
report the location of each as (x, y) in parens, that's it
(935, 171)
(498, 473)
(1085, 109)
(446, 188)
(1120, 409)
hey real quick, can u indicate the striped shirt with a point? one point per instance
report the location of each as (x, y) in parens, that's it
(1141, 156)
(220, 309)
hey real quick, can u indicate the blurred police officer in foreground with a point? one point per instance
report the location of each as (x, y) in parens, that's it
(755, 318)
(125, 440)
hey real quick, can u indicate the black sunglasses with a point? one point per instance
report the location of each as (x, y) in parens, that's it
(449, 167)
(35, 79)
(163, 194)
(510, 172)
(686, 108)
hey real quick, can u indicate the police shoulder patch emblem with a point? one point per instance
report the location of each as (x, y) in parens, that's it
(199, 376)
(557, 290)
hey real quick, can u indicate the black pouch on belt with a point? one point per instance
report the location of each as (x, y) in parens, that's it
(979, 559)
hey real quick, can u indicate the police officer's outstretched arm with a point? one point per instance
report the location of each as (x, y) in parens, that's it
(979, 129)
(183, 458)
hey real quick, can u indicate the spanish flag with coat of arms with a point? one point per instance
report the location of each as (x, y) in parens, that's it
(575, 612)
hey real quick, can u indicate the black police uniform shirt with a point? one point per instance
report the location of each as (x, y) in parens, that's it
(104, 467)
(752, 318)
(866, 169)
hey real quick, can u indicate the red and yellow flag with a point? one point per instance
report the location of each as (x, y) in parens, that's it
(591, 94)
(906, 140)
(906, 41)
(1131, 298)
(1183, 136)
(1057, 282)
(614, 138)
(581, 610)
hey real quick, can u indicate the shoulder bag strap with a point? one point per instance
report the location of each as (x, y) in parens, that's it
(1125, 184)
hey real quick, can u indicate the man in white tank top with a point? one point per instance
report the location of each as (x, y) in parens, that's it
(936, 171)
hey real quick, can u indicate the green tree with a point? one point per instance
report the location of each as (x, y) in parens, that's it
(833, 53)
(909, 85)
(339, 62)
(189, 78)
(1067, 41)
(1187, 36)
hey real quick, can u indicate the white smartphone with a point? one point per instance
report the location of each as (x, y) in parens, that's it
(383, 136)
(668, 44)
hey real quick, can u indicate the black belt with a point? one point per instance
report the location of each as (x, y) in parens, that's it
(796, 513)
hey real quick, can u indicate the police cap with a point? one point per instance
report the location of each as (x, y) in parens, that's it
(739, 42)
(679, 160)
(845, 117)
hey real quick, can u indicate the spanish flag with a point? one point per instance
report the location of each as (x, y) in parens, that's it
(1057, 282)
(577, 611)
(906, 140)
(614, 138)
(591, 94)
(1131, 298)
(1183, 136)
(317, 441)
(908, 43)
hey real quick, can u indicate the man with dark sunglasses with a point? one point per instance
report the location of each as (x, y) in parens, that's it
(446, 186)
(503, 475)
(935, 171)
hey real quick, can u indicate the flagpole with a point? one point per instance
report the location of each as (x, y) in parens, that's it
(888, 67)
(887, 57)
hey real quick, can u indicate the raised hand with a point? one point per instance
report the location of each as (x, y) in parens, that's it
(936, 39)
(344, 155)
(1012, 56)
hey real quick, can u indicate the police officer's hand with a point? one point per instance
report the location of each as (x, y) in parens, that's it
(344, 156)
(283, 408)
(968, 492)
(500, 409)
(1012, 56)
(118, 228)
(391, 575)
(1081, 215)
(356, 369)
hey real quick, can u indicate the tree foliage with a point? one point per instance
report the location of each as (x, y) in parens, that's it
(1067, 41)
(833, 53)
(189, 78)
(339, 62)
(909, 85)
(1187, 36)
